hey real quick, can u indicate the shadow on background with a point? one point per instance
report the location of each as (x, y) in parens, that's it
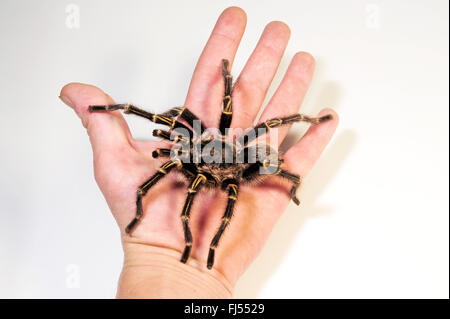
(291, 222)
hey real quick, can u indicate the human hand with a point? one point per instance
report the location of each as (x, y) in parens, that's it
(122, 164)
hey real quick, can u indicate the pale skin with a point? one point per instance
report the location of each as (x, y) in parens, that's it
(151, 264)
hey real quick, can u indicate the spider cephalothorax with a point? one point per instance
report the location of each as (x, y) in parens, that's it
(212, 160)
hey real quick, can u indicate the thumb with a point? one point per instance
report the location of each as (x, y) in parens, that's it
(107, 131)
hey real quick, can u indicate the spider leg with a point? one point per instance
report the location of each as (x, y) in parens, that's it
(173, 112)
(185, 114)
(255, 169)
(227, 112)
(264, 127)
(131, 109)
(185, 215)
(166, 135)
(232, 197)
(191, 118)
(143, 189)
(161, 152)
(165, 152)
(296, 181)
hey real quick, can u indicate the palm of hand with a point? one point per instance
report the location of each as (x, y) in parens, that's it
(121, 163)
(257, 209)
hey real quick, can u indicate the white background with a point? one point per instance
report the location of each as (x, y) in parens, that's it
(374, 219)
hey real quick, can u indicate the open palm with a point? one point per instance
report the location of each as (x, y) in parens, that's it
(122, 164)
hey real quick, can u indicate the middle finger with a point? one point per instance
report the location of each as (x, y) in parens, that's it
(254, 81)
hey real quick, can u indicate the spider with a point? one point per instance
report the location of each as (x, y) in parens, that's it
(248, 162)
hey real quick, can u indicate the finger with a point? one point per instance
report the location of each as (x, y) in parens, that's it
(301, 157)
(106, 130)
(206, 89)
(289, 95)
(254, 81)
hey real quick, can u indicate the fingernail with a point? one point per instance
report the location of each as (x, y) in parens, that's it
(66, 100)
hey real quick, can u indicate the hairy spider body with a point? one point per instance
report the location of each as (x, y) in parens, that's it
(222, 161)
(212, 161)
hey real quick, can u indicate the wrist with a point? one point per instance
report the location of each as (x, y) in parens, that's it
(156, 272)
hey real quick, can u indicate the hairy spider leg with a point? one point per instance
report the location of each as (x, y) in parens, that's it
(227, 111)
(166, 152)
(232, 197)
(276, 122)
(185, 114)
(174, 112)
(166, 118)
(161, 152)
(255, 169)
(166, 135)
(296, 180)
(143, 189)
(185, 215)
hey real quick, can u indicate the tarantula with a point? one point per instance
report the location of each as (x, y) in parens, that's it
(228, 163)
